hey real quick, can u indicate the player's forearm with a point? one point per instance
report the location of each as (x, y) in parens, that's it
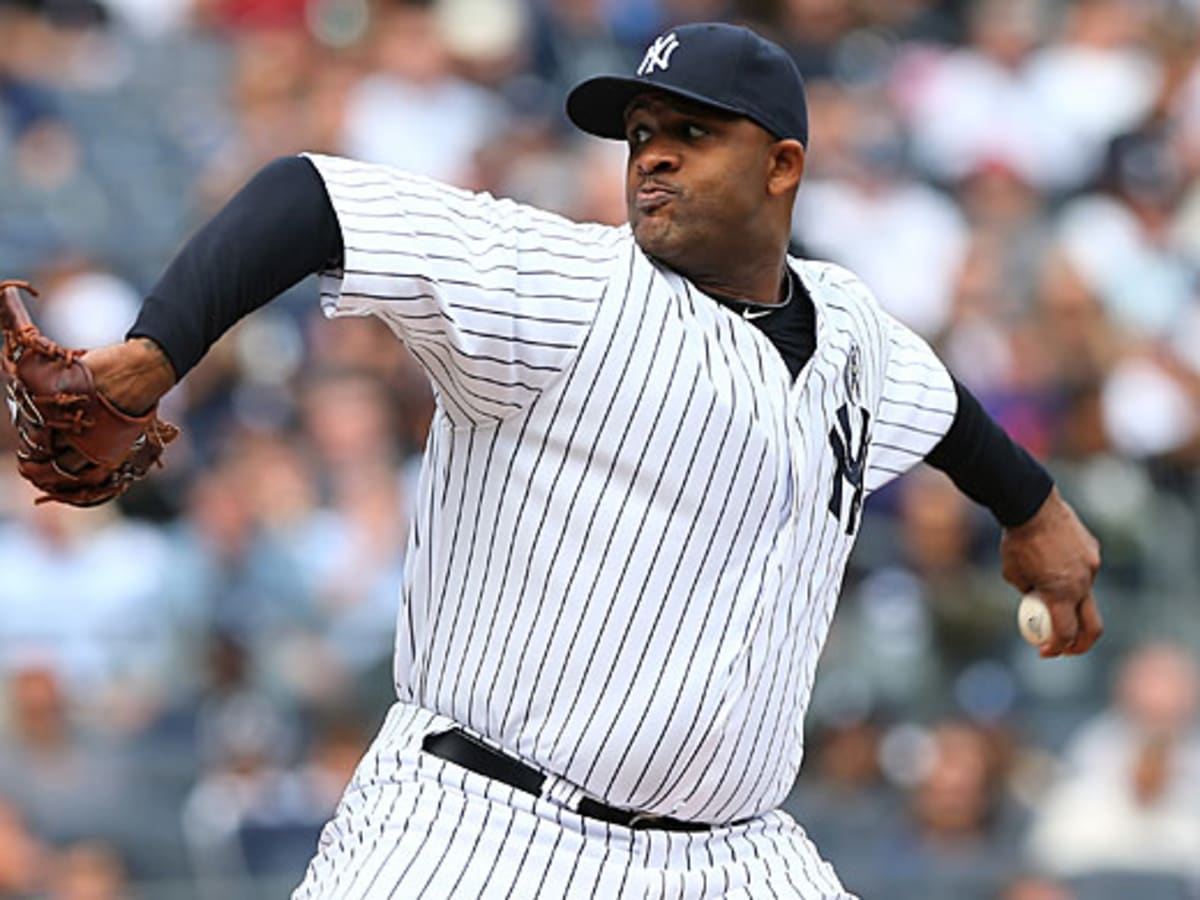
(988, 466)
(276, 230)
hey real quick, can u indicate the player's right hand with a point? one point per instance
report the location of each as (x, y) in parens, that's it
(1054, 556)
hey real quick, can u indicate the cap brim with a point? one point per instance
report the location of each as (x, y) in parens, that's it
(598, 104)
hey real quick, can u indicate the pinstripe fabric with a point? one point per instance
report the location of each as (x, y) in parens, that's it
(412, 826)
(632, 525)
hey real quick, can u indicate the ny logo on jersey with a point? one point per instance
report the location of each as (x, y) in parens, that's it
(852, 374)
(851, 464)
(658, 54)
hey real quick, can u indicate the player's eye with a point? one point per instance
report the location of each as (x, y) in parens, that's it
(695, 131)
(639, 134)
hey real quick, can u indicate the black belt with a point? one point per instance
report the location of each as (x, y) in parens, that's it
(461, 749)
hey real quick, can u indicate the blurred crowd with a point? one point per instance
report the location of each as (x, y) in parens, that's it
(187, 677)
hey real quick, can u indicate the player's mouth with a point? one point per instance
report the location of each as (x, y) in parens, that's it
(652, 196)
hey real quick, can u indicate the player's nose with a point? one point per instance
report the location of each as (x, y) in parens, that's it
(655, 157)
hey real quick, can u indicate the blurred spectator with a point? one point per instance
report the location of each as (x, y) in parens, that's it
(89, 870)
(601, 192)
(70, 782)
(949, 836)
(961, 839)
(278, 834)
(1094, 82)
(1147, 411)
(51, 200)
(1129, 795)
(1047, 111)
(349, 419)
(114, 651)
(1152, 284)
(83, 306)
(343, 536)
(812, 30)
(572, 39)
(412, 111)
(245, 738)
(988, 313)
(256, 811)
(1006, 210)
(229, 570)
(151, 19)
(914, 21)
(1035, 888)
(970, 617)
(903, 238)
(969, 106)
(274, 67)
(23, 858)
(1073, 318)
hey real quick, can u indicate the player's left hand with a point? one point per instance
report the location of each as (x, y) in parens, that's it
(1054, 556)
(73, 441)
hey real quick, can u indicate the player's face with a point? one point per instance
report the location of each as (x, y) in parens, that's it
(695, 182)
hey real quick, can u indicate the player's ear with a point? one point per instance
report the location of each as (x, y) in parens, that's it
(785, 166)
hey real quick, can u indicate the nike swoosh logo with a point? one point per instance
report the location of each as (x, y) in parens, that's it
(748, 313)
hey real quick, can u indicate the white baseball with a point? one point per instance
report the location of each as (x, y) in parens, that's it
(1033, 618)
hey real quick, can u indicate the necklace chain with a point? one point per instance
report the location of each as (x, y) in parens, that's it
(753, 310)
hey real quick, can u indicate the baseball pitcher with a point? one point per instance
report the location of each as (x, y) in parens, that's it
(646, 471)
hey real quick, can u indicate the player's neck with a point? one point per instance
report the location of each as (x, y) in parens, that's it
(762, 284)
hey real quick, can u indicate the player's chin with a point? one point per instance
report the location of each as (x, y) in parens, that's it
(657, 237)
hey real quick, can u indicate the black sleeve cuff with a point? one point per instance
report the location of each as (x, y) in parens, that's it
(988, 466)
(278, 229)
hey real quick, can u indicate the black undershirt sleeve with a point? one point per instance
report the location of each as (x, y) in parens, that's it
(278, 229)
(988, 466)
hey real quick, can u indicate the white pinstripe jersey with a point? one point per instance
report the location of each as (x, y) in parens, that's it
(632, 523)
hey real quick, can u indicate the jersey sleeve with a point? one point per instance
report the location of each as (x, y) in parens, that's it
(917, 406)
(493, 298)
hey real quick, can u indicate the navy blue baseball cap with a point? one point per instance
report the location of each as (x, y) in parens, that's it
(724, 66)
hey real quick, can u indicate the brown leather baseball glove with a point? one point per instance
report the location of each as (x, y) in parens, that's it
(72, 442)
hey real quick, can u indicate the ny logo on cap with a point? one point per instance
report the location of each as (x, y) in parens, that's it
(658, 54)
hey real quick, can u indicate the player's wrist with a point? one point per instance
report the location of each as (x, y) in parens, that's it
(133, 375)
(1051, 511)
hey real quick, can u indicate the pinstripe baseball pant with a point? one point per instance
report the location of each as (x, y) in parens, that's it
(413, 826)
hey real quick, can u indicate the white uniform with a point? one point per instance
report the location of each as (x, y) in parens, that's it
(630, 536)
